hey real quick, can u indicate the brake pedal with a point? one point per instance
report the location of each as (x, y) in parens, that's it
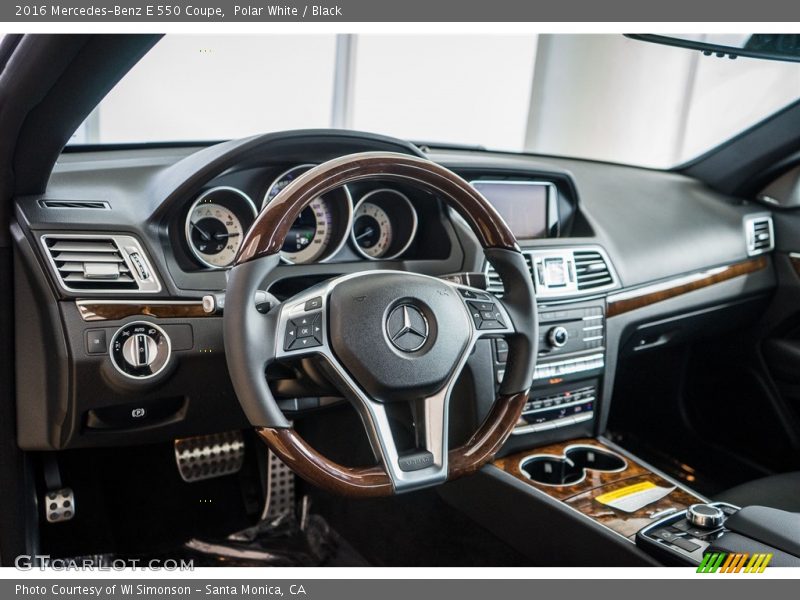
(59, 500)
(207, 456)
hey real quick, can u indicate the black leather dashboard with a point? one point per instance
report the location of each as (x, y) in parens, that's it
(653, 226)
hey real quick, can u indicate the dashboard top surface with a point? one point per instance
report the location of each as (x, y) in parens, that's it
(636, 215)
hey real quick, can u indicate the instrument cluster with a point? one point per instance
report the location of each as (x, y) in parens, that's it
(380, 224)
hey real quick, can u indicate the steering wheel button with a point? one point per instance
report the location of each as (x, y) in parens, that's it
(314, 303)
(304, 331)
(302, 343)
(482, 306)
(291, 336)
(490, 325)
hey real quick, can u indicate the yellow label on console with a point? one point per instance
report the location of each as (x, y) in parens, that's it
(634, 497)
(626, 491)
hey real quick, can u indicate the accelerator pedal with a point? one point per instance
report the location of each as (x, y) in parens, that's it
(207, 456)
(280, 488)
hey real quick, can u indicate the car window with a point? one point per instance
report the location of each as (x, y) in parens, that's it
(603, 97)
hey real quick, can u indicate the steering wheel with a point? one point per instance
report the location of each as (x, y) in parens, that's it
(384, 337)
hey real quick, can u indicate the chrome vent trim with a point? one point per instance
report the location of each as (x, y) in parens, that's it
(760, 234)
(100, 263)
(87, 204)
(593, 272)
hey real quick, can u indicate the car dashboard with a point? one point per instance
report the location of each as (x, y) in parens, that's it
(126, 255)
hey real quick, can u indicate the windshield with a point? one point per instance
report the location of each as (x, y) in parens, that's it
(602, 97)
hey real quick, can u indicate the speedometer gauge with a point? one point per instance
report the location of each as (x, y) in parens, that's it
(216, 224)
(322, 227)
(282, 180)
(384, 224)
(372, 229)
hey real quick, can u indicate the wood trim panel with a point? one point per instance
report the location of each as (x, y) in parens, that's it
(794, 259)
(112, 310)
(631, 300)
(581, 496)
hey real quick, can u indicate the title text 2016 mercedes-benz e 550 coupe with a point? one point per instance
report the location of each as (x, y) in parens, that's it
(308, 344)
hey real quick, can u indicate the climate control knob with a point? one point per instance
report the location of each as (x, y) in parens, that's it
(140, 350)
(558, 336)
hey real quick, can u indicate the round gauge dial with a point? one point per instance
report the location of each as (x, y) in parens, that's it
(384, 224)
(216, 225)
(321, 229)
(310, 234)
(372, 229)
(282, 180)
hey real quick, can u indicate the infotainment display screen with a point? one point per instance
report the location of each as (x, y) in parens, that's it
(525, 206)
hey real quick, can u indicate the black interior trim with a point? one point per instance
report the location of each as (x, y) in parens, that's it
(734, 166)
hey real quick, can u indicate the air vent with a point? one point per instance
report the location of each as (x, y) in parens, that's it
(90, 204)
(591, 270)
(494, 284)
(760, 235)
(562, 272)
(113, 263)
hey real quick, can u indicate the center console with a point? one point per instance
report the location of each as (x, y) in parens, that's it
(685, 537)
(571, 360)
(599, 482)
(566, 385)
(564, 488)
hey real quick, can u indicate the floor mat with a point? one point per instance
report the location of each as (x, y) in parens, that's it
(281, 542)
(417, 529)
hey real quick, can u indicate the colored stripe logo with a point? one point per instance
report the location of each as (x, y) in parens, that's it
(724, 562)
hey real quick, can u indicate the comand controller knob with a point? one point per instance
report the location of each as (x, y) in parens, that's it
(705, 516)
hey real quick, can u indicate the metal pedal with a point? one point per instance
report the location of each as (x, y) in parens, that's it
(280, 488)
(207, 456)
(59, 505)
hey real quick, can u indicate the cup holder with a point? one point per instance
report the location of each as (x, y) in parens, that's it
(570, 468)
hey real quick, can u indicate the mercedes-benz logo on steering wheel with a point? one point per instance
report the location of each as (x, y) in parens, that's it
(407, 328)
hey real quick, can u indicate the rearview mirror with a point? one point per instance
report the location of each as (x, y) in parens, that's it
(769, 46)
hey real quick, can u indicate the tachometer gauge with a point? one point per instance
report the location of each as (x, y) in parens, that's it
(384, 224)
(310, 234)
(216, 225)
(321, 229)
